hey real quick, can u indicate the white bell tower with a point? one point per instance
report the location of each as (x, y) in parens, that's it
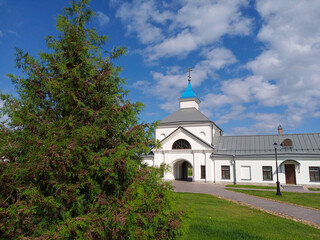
(188, 98)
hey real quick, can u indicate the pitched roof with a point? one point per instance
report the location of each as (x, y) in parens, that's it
(185, 115)
(306, 143)
(190, 133)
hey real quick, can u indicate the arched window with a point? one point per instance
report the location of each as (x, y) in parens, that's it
(181, 144)
(287, 142)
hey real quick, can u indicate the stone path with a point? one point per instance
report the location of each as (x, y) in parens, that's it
(305, 215)
(273, 190)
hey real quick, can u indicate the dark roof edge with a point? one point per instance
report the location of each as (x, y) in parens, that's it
(186, 122)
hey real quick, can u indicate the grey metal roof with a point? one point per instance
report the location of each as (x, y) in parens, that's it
(305, 143)
(185, 115)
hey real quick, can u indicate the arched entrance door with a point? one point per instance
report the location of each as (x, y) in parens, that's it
(182, 170)
(290, 167)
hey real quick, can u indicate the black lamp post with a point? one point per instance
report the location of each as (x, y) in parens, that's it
(278, 183)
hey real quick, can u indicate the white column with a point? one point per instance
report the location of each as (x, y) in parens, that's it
(196, 166)
(209, 168)
(166, 160)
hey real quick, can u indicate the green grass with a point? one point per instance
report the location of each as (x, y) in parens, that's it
(314, 189)
(304, 199)
(214, 218)
(251, 186)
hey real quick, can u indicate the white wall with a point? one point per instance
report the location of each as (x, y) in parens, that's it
(203, 132)
(189, 104)
(162, 133)
(218, 162)
(213, 166)
(256, 170)
(195, 145)
(196, 158)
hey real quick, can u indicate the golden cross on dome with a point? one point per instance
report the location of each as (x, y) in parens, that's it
(189, 71)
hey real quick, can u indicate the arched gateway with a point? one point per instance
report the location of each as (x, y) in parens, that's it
(182, 170)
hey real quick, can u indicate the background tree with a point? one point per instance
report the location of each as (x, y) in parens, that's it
(74, 144)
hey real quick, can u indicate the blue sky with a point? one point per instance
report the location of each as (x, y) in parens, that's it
(256, 64)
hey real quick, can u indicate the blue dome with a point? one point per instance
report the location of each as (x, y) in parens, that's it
(188, 93)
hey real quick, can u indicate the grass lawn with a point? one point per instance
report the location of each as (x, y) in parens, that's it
(251, 186)
(189, 172)
(304, 199)
(314, 189)
(214, 218)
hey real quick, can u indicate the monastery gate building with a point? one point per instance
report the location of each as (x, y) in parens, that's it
(192, 141)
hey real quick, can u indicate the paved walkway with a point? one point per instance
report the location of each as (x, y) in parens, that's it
(274, 190)
(305, 215)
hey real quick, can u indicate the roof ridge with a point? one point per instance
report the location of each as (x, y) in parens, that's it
(185, 110)
(269, 135)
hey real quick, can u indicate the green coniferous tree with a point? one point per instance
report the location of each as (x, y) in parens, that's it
(74, 143)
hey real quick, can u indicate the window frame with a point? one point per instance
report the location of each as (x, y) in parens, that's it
(202, 172)
(314, 175)
(242, 169)
(266, 171)
(178, 144)
(225, 173)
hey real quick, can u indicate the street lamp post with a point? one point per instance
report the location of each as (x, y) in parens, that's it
(278, 183)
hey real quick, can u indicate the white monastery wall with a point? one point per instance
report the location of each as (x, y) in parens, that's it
(149, 161)
(304, 168)
(191, 104)
(167, 144)
(249, 170)
(218, 173)
(245, 170)
(162, 133)
(203, 132)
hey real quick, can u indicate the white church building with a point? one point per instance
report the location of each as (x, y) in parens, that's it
(195, 149)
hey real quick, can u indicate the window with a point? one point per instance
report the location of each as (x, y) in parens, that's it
(267, 173)
(203, 172)
(314, 173)
(287, 143)
(225, 172)
(245, 173)
(181, 144)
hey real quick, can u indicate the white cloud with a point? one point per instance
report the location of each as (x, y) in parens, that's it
(292, 58)
(264, 123)
(199, 23)
(239, 91)
(102, 18)
(169, 86)
(13, 32)
(286, 73)
(142, 18)
(175, 30)
(235, 113)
